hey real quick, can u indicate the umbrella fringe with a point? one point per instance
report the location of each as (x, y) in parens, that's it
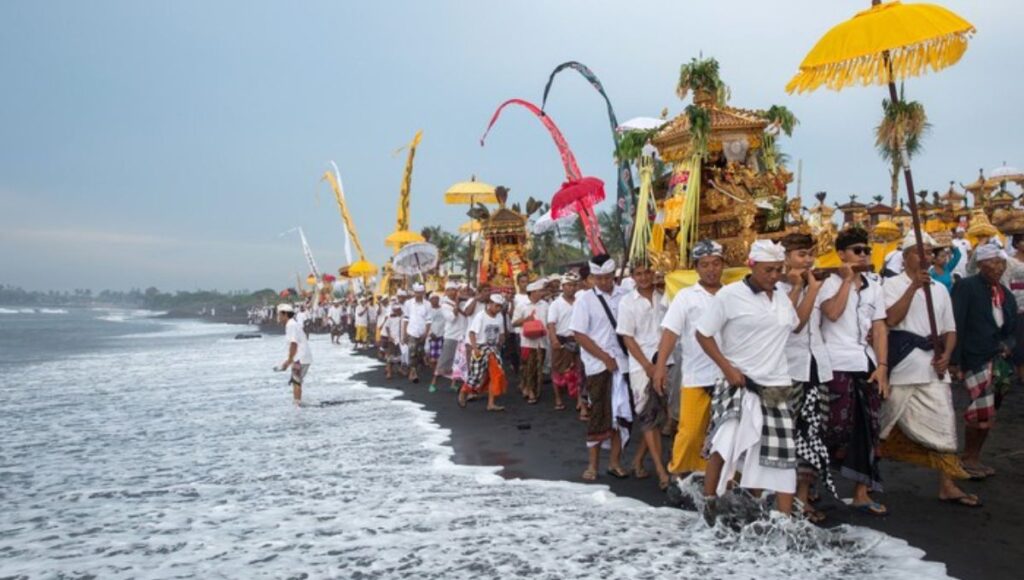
(907, 61)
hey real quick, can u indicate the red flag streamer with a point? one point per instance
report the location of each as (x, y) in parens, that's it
(572, 169)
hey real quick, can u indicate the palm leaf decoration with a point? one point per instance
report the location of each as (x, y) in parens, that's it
(631, 144)
(784, 119)
(702, 75)
(700, 128)
(902, 121)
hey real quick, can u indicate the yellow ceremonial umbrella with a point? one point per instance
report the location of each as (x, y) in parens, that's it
(470, 192)
(888, 42)
(361, 268)
(402, 237)
(470, 227)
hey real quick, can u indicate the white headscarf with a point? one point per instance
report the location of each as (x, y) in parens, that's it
(909, 241)
(766, 251)
(607, 268)
(989, 251)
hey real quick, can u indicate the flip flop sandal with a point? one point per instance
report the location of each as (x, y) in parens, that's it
(495, 409)
(976, 473)
(641, 473)
(559, 407)
(872, 508)
(618, 473)
(589, 475)
(663, 484)
(968, 500)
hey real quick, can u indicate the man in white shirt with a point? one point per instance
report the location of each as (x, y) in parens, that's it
(486, 335)
(640, 313)
(453, 333)
(416, 328)
(566, 366)
(299, 355)
(334, 318)
(529, 321)
(362, 322)
(435, 340)
(519, 299)
(960, 271)
(604, 361)
(809, 367)
(752, 425)
(918, 424)
(699, 372)
(855, 332)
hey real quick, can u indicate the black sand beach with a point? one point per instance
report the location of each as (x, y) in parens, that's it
(539, 443)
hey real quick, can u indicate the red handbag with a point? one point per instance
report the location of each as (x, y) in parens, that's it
(534, 329)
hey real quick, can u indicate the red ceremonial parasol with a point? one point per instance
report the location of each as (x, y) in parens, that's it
(579, 197)
(578, 194)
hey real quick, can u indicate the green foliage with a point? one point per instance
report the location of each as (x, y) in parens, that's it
(902, 122)
(782, 117)
(631, 144)
(700, 128)
(702, 75)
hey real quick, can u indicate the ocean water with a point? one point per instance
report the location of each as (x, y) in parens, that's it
(132, 447)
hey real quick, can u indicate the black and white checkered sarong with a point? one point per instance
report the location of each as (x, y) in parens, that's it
(778, 431)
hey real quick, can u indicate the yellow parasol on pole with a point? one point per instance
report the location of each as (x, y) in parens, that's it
(361, 268)
(885, 43)
(470, 227)
(470, 192)
(402, 237)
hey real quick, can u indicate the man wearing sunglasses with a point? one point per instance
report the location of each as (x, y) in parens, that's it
(856, 338)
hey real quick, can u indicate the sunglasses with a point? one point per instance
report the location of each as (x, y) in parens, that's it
(860, 250)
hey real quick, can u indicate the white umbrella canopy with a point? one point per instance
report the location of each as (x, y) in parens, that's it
(641, 124)
(1006, 173)
(546, 223)
(415, 259)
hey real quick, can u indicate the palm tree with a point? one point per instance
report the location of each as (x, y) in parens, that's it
(785, 121)
(611, 234)
(902, 122)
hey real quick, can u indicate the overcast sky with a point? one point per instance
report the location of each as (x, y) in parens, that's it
(169, 143)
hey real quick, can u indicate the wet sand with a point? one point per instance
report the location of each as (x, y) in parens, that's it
(537, 442)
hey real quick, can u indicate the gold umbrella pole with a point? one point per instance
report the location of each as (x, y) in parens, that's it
(915, 218)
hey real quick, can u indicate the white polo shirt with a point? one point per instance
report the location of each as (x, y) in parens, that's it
(293, 333)
(418, 315)
(540, 311)
(809, 342)
(917, 367)
(846, 339)
(518, 301)
(455, 323)
(639, 319)
(560, 314)
(752, 331)
(688, 305)
(589, 318)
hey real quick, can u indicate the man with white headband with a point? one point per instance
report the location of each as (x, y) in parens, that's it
(752, 427)
(604, 361)
(918, 425)
(640, 313)
(986, 317)
(566, 366)
(856, 337)
(699, 372)
(529, 319)
(416, 328)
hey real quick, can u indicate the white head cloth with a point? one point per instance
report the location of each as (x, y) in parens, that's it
(766, 251)
(607, 268)
(536, 286)
(417, 287)
(989, 251)
(497, 299)
(450, 285)
(909, 241)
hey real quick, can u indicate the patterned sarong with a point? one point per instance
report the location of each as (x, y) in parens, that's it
(434, 349)
(811, 406)
(980, 386)
(853, 428)
(566, 371)
(778, 432)
(486, 370)
(532, 371)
